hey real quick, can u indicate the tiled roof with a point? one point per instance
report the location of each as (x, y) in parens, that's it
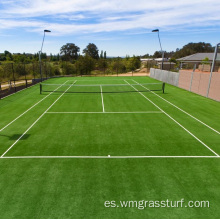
(197, 57)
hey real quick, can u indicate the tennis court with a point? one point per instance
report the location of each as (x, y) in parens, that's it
(77, 142)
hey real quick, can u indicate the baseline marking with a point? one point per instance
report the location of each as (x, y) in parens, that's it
(35, 121)
(181, 110)
(103, 107)
(176, 121)
(29, 109)
(102, 157)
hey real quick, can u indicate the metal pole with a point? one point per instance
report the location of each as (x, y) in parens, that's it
(194, 69)
(162, 52)
(213, 65)
(40, 52)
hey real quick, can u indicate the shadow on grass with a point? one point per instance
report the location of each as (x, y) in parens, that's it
(16, 136)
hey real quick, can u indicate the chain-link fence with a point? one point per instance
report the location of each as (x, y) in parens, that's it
(17, 76)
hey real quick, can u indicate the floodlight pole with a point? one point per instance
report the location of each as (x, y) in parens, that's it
(162, 52)
(40, 52)
(212, 69)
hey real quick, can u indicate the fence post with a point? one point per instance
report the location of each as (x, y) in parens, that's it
(25, 76)
(194, 68)
(213, 65)
(13, 76)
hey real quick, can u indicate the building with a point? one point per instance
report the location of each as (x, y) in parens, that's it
(196, 59)
(166, 65)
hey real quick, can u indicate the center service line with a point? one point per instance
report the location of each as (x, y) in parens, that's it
(103, 107)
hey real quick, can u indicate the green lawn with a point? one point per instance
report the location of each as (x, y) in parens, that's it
(54, 151)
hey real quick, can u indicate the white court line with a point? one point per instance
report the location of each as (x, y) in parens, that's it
(103, 107)
(175, 121)
(147, 112)
(35, 121)
(28, 109)
(181, 110)
(102, 157)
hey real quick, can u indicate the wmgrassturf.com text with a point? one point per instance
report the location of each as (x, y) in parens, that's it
(142, 204)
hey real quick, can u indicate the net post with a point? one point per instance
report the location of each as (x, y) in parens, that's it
(40, 88)
(163, 87)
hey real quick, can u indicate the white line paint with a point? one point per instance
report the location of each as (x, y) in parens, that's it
(147, 112)
(29, 109)
(176, 122)
(181, 110)
(103, 106)
(34, 122)
(102, 157)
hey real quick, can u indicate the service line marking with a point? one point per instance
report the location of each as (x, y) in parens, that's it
(147, 112)
(36, 120)
(175, 121)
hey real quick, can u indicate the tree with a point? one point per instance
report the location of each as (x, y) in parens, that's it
(192, 48)
(101, 55)
(133, 63)
(85, 65)
(205, 61)
(69, 52)
(92, 51)
(157, 54)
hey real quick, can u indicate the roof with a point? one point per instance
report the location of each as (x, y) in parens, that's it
(197, 57)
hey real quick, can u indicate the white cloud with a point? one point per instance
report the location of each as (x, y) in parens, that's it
(74, 16)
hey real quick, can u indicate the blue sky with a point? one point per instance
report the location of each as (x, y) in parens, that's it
(120, 27)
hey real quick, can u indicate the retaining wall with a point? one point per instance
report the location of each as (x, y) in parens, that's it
(196, 82)
(165, 76)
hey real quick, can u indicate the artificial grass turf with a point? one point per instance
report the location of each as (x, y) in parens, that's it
(78, 188)
(66, 188)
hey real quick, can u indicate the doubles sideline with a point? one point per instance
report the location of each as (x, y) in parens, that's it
(29, 109)
(174, 120)
(180, 109)
(37, 120)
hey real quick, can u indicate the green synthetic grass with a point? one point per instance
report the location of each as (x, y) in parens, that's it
(75, 125)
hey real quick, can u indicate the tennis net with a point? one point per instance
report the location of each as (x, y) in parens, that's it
(104, 88)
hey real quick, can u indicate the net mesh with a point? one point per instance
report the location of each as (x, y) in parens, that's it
(105, 88)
